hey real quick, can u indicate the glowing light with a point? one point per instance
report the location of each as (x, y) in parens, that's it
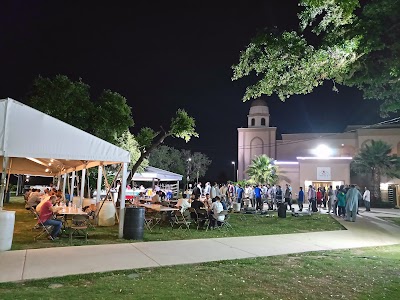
(286, 162)
(46, 170)
(322, 151)
(327, 158)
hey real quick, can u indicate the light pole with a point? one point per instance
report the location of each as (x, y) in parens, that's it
(234, 171)
(187, 173)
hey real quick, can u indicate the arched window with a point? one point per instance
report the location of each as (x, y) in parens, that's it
(262, 121)
(253, 122)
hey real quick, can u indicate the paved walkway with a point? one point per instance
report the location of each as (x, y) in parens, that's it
(367, 231)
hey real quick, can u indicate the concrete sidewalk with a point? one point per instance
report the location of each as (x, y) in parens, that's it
(367, 231)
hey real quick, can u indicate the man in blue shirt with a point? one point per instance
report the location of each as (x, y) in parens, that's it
(239, 193)
(257, 194)
(301, 199)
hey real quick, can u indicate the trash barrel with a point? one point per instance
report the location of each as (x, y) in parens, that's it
(282, 210)
(7, 220)
(134, 223)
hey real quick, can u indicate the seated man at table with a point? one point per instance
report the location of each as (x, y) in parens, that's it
(216, 208)
(184, 205)
(46, 216)
(33, 200)
(196, 204)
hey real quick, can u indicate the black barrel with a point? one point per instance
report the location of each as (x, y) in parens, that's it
(134, 223)
(282, 210)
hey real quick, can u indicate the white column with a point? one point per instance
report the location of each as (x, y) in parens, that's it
(122, 200)
(72, 186)
(82, 187)
(64, 184)
(99, 181)
(58, 181)
(3, 180)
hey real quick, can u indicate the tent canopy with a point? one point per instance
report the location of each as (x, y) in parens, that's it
(38, 144)
(151, 173)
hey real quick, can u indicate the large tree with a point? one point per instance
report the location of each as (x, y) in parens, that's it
(168, 158)
(341, 41)
(197, 164)
(107, 117)
(181, 126)
(262, 170)
(375, 159)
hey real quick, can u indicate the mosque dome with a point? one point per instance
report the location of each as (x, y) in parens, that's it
(259, 107)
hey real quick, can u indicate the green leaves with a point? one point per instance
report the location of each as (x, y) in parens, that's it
(352, 48)
(69, 101)
(183, 126)
(262, 170)
(145, 138)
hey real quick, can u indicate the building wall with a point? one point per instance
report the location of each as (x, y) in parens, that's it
(340, 170)
(253, 142)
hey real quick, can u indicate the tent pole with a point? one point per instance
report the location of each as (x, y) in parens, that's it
(8, 176)
(72, 187)
(99, 180)
(122, 201)
(58, 181)
(64, 185)
(82, 187)
(3, 180)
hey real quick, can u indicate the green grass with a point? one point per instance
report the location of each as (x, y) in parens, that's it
(251, 226)
(369, 273)
(394, 220)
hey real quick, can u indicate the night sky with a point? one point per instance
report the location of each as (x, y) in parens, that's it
(163, 56)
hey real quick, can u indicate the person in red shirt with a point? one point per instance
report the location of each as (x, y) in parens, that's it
(319, 197)
(46, 216)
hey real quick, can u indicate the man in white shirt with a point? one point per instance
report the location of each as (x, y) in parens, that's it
(216, 208)
(367, 199)
(207, 188)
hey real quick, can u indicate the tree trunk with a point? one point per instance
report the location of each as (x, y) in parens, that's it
(376, 182)
(156, 142)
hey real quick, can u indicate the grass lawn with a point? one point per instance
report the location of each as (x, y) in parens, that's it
(368, 273)
(23, 235)
(395, 220)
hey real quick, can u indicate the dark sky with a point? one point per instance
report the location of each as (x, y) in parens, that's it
(163, 56)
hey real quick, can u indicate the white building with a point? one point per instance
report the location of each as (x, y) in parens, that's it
(320, 159)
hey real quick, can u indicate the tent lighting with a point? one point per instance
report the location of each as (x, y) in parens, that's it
(46, 170)
(37, 161)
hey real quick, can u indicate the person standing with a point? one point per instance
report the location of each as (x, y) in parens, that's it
(341, 202)
(367, 199)
(301, 199)
(257, 194)
(331, 197)
(312, 204)
(352, 197)
(288, 196)
(239, 194)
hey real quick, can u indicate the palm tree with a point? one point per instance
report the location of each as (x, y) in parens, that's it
(376, 159)
(262, 170)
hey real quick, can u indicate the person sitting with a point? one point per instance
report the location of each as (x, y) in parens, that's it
(207, 202)
(184, 205)
(46, 216)
(216, 208)
(196, 204)
(156, 198)
(33, 200)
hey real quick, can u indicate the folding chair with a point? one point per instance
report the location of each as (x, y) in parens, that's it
(181, 220)
(44, 230)
(79, 225)
(225, 222)
(202, 217)
(148, 220)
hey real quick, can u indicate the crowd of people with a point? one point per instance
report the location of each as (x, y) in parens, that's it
(343, 200)
(46, 204)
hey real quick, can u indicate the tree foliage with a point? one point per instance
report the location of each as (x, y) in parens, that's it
(337, 40)
(128, 142)
(181, 126)
(197, 164)
(262, 170)
(376, 159)
(108, 117)
(168, 158)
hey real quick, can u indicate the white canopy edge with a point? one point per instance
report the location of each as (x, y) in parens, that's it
(38, 144)
(151, 173)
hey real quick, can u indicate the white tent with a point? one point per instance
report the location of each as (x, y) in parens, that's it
(34, 143)
(152, 173)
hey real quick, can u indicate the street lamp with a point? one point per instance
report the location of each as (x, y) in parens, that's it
(234, 170)
(187, 173)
